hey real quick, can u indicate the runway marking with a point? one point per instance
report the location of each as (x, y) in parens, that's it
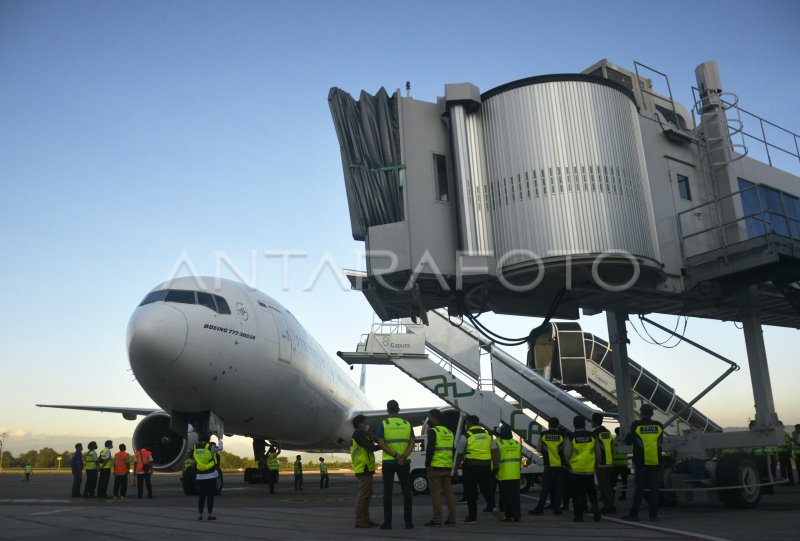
(48, 512)
(684, 533)
(23, 500)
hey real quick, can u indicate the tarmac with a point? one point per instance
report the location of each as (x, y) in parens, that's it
(43, 509)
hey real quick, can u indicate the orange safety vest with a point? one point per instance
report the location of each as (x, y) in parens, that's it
(143, 456)
(121, 462)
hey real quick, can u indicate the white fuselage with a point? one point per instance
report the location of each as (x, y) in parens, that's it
(256, 367)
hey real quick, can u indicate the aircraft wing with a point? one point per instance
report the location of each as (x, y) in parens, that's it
(415, 416)
(128, 413)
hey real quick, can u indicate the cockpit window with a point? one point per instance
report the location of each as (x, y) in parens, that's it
(153, 296)
(183, 296)
(179, 295)
(205, 299)
(222, 305)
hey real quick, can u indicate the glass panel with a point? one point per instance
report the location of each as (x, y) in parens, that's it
(683, 188)
(179, 295)
(153, 296)
(440, 177)
(751, 208)
(222, 305)
(205, 299)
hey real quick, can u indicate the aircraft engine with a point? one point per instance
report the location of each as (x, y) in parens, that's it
(168, 447)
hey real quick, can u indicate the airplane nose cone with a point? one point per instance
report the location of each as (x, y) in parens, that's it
(156, 335)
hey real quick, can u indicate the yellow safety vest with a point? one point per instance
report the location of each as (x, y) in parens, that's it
(552, 445)
(396, 433)
(362, 458)
(106, 453)
(204, 458)
(510, 459)
(649, 435)
(323, 468)
(272, 461)
(605, 438)
(443, 452)
(90, 460)
(619, 459)
(479, 444)
(582, 458)
(298, 467)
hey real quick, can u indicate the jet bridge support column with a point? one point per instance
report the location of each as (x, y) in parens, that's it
(747, 299)
(618, 338)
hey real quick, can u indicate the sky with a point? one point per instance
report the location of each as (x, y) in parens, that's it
(135, 136)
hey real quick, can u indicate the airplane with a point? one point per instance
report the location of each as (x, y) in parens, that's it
(219, 356)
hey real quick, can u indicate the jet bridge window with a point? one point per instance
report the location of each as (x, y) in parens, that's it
(683, 187)
(440, 177)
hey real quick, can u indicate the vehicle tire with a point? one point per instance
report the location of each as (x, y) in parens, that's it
(419, 482)
(525, 483)
(219, 485)
(737, 470)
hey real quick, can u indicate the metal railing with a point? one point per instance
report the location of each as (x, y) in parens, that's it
(759, 223)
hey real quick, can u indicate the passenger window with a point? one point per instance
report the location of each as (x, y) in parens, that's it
(177, 295)
(153, 296)
(205, 299)
(222, 305)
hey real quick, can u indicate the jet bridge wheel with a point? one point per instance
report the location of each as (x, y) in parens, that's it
(741, 471)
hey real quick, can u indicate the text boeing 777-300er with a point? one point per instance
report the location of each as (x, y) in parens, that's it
(217, 355)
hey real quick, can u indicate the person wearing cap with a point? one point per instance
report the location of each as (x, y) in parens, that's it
(105, 466)
(551, 447)
(206, 456)
(621, 472)
(273, 466)
(90, 465)
(298, 473)
(362, 453)
(508, 466)
(438, 468)
(581, 450)
(646, 436)
(605, 462)
(77, 470)
(476, 451)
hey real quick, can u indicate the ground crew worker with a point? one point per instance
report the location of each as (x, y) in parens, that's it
(323, 474)
(144, 470)
(273, 467)
(785, 458)
(508, 468)
(438, 468)
(362, 453)
(77, 470)
(298, 473)
(604, 469)
(396, 438)
(27, 475)
(581, 450)
(646, 436)
(476, 450)
(90, 465)
(106, 464)
(122, 463)
(551, 447)
(206, 456)
(621, 471)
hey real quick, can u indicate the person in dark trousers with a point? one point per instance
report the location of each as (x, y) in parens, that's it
(90, 465)
(646, 436)
(551, 446)
(396, 438)
(206, 458)
(122, 463)
(273, 466)
(438, 466)
(143, 460)
(785, 458)
(475, 453)
(105, 466)
(77, 470)
(580, 449)
(508, 468)
(621, 471)
(362, 453)
(298, 473)
(27, 475)
(605, 463)
(324, 480)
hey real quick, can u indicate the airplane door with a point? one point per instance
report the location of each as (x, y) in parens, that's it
(284, 338)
